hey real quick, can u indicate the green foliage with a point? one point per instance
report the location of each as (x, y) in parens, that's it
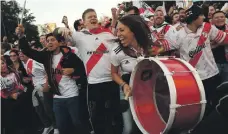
(10, 18)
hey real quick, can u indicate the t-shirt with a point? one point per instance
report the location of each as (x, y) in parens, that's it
(119, 58)
(187, 45)
(95, 51)
(67, 86)
(36, 71)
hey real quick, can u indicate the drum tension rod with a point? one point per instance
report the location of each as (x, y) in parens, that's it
(174, 72)
(174, 106)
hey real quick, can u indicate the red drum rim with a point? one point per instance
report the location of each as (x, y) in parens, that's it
(172, 94)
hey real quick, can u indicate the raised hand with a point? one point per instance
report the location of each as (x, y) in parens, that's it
(65, 32)
(114, 13)
(121, 7)
(19, 31)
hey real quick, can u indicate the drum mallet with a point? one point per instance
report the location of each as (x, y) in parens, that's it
(124, 104)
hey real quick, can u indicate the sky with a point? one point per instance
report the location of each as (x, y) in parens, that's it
(52, 11)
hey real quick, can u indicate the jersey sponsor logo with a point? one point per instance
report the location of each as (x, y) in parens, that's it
(97, 52)
(192, 53)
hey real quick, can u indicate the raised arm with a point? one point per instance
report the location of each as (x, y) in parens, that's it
(26, 49)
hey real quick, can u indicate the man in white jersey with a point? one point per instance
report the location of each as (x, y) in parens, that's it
(182, 18)
(65, 72)
(219, 20)
(193, 42)
(162, 32)
(38, 75)
(103, 93)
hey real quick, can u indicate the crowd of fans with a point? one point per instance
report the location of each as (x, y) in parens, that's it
(73, 81)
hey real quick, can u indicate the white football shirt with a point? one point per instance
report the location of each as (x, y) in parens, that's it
(125, 62)
(187, 42)
(37, 72)
(95, 51)
(67, 86)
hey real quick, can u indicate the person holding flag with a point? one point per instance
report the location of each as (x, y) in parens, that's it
(66, 76)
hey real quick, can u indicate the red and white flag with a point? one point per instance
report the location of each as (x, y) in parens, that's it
(144, 9)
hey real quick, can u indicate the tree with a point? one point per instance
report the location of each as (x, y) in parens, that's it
(10, 11)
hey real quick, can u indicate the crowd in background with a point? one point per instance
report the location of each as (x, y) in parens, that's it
(42, 80)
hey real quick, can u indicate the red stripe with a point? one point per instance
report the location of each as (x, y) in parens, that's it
(58, 75)
(165, 29)
(167, 45)
(202, 39)
(93, 60)
(151, 10)
(29, 67)
(100, 30)
(163, 44)
(219, 36)
(141, 10)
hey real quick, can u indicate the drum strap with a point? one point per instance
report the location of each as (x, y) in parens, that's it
(202, 39)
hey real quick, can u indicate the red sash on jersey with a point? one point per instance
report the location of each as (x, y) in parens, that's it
(202, 39)
(58, 76)
(164, 30)
(100, 30)
(226, 31)
(163, 42)
(93, 60)
(29, 67)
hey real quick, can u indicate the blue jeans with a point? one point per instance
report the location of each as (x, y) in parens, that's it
(223, 71)
(127, 118)
(67, 113)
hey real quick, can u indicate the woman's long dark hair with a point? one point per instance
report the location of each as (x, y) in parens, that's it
(141, 31)
(10, 68)
(21, 70)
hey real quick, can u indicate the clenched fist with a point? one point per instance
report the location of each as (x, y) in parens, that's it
(20, 31)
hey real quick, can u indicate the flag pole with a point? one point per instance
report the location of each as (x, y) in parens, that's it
(23, 13)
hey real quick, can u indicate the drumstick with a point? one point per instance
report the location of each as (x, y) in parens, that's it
(127, 96)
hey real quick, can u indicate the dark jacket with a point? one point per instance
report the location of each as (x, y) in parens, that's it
(70, 60)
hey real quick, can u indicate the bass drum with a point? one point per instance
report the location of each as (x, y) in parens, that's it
(166, 93)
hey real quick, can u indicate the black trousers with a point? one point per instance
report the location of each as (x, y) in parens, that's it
(210, 86)
(48, 107)
(104, 101)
